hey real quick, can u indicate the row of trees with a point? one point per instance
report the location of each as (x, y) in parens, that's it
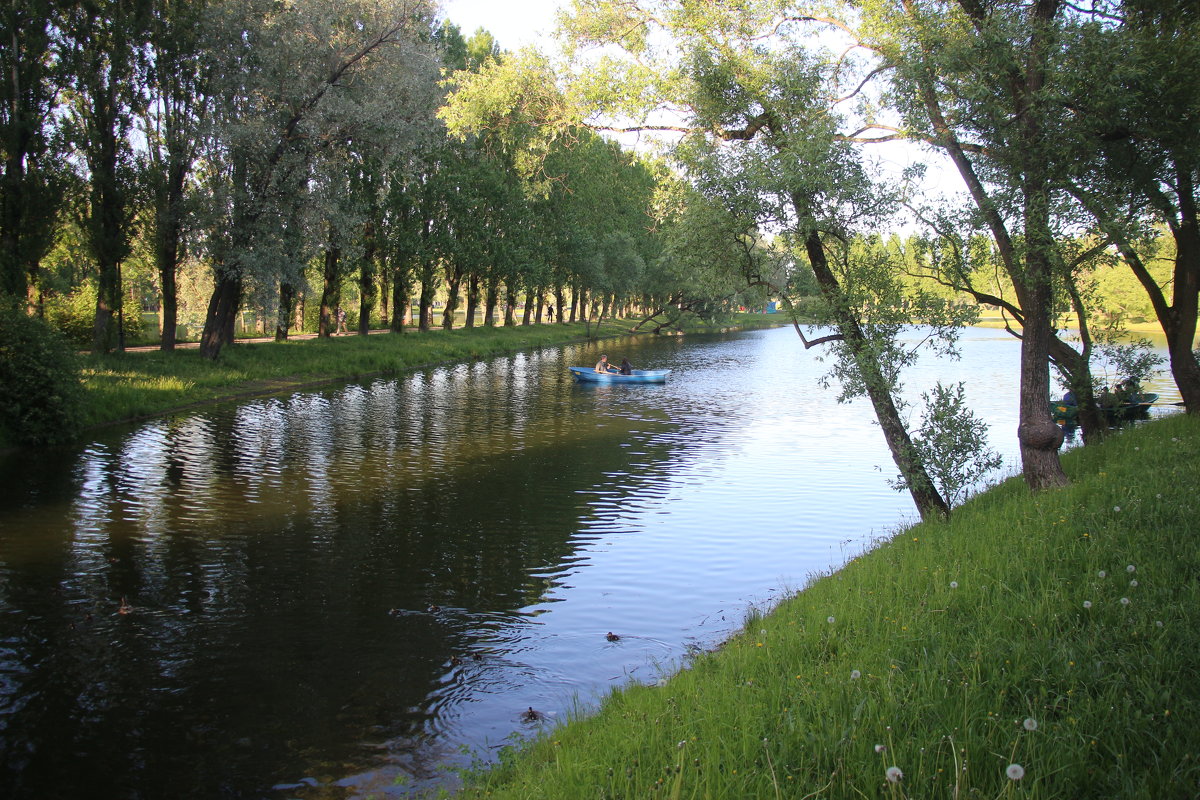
(292, 149)
(1071, 126)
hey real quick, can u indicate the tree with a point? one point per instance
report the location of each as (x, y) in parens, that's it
(30, 185)
(105, 48)
(176, 107)
(1135, 87)
(301, 78)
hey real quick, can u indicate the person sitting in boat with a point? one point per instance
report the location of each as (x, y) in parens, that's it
(1127, 391)
(626, 367)
(603, 366)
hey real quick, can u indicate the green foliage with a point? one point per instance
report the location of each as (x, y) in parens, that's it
(74, 315)
(40, 397)
(951, 444)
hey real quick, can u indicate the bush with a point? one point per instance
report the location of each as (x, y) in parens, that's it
(40, 392)
(75, 316)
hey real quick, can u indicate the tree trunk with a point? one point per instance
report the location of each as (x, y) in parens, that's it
(222, 312)
(472, 299)
(287, 302)
(559, 303)
(330, 293)
(401, 301)
(491, 300)
(425, 307)
(510, 305)
(929, 502)
(454, 278)
(366, 280)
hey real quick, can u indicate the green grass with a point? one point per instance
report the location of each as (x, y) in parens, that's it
(139, 384)
(1058, 631)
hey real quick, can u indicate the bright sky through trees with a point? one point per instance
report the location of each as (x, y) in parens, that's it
(514, 23)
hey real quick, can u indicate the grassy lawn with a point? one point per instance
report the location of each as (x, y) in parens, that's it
(139, 384)
(1042, 646)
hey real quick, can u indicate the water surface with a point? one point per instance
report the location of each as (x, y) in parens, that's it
(349, 591)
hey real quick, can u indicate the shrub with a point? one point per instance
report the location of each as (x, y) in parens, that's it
(75, 316)
(40, 392)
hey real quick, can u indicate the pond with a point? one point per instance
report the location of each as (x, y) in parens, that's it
(353, 591)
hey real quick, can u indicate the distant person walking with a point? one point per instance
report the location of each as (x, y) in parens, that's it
(341, 320)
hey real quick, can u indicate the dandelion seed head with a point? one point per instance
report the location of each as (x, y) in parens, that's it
(830, 620)
(1158, 623)
(1102, 574)
(879, 748)
(1117, 509)
(1087, 603)
(953, 584)
(1131, 568)
(1030, 724)
(855, 674)
(1133, 582)
(1015, 771)
(1124, 601)
(894, 774)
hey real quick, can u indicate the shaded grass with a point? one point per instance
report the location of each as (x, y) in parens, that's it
(133, 385)
(1055, 631)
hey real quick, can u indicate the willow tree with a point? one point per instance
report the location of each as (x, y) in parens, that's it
(300, 78)
(1133, 84)
(758, 132)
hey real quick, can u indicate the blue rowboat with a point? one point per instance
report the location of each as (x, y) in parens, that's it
(589, 375)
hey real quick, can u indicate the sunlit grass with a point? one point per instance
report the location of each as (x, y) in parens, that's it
(1035, 646)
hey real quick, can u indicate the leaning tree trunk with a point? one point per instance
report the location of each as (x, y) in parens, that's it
(454, 278)
(929, 502)
(222, 313)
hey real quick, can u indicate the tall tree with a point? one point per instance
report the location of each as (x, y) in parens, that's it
(106, 51)
(176, 107)
(30, 186)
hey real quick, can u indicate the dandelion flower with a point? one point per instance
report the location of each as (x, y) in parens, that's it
(1087, 603)
(855, 674)
(894, 774)
(1015, 771)
(879, 748)
(953, 584)
(1030, 724)
(1124, 601)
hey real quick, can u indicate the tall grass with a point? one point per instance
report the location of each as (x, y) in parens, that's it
(1035, 646)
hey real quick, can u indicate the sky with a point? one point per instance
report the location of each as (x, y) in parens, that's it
(514, 23)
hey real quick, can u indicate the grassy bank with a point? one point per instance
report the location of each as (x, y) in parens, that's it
(1034, 646)
(139, 384)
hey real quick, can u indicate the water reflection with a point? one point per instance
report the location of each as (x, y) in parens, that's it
(334, 590)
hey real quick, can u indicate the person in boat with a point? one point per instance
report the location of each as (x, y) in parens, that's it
(603, 366)
(1128, 391)
(626, 367)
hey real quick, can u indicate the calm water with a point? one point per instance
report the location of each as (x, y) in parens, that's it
(349, 591)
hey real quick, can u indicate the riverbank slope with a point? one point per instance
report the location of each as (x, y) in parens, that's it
(1040, 646)
(135, 385)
